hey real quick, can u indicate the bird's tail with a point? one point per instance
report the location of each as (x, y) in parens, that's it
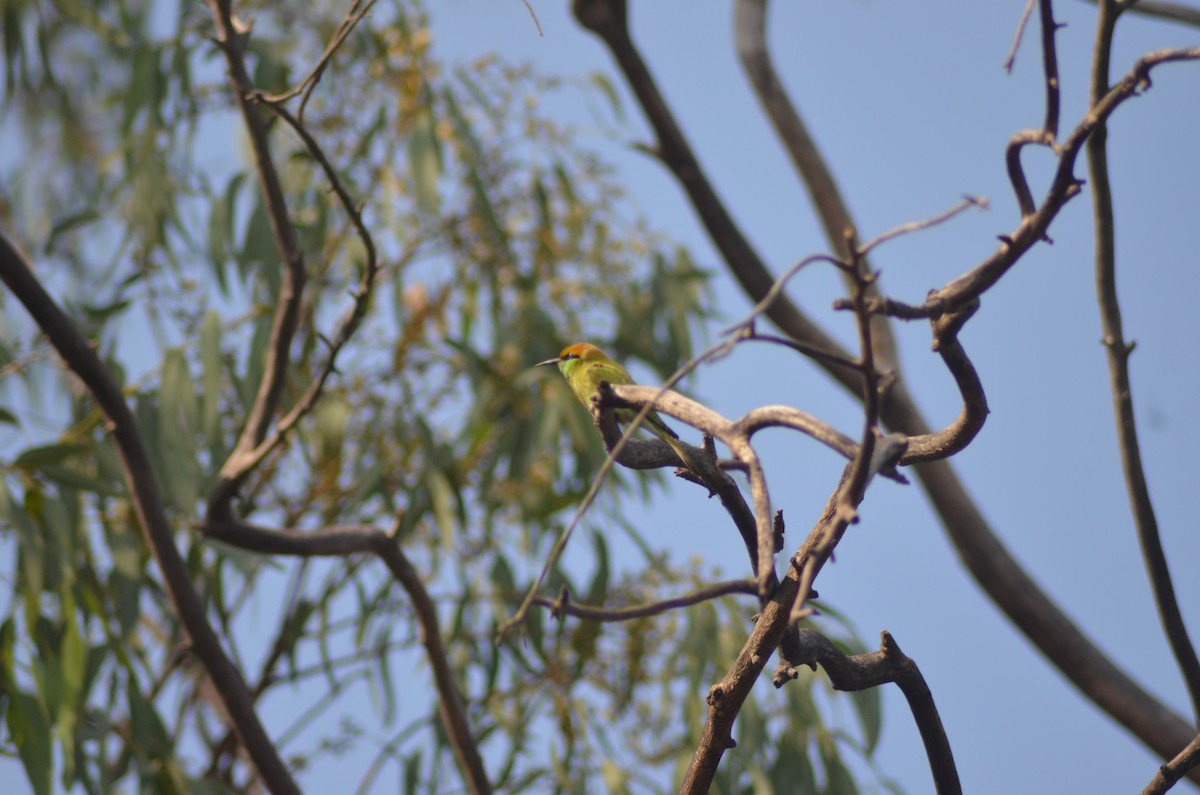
(671, 438)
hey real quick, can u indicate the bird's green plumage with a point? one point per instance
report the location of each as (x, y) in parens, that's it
(585, 366)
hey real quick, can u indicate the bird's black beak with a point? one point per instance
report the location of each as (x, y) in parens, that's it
(548, 362)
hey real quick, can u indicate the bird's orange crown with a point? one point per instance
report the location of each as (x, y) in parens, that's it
(582, 350)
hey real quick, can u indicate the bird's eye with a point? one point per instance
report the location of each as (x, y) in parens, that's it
(570, 356)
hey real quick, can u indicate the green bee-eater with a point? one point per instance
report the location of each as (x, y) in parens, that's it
(585, 366)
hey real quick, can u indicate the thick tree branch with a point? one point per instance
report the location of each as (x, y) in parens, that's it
(140, 479)
(1162, 9)
(1118, 352)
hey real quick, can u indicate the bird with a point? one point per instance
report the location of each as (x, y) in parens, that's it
(585, 366)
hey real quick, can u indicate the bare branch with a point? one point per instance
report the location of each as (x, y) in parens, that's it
(1016, 174)
(352, 18)
(725, 699)
(1011, 58)
(1177, 768)
(232, 42)
(1050, 67)
(140, 479)
(562, 606)
(1065, 186)
(916, 226)
(1118, 352)
(341, 541)
(888, 665)
(450, 706)
(955, 437)
(238, 466)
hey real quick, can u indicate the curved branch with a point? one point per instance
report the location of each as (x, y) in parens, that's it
(1016, 174)
(727, 431)
(562, 606)
(240, 464)
(140, 479)
(1117, 355)
(888, 665)
(450, 706)
(342, 541)
(655, 454)
(956, 436)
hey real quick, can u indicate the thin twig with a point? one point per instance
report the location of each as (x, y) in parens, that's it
(352, 18)
(1064, 187)
(532, 14)
(1020, 34)
(1118, 351)
(1177, 768)
(916, 226)
(562, 606)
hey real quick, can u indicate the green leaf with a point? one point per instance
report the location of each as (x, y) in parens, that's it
(598, 589)
(178, 417)
(150, 737)
(425, 161)
(65, 225)
(606, 87)
(474, 160)
(31, 564)
(221, 230)
(30, 730)
(33, 458)
(210, 363)
(868, 705)
(441, 493)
